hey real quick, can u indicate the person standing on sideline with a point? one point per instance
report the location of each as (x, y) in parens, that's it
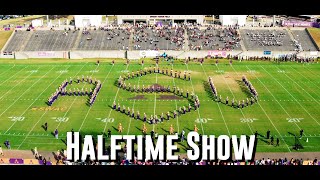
(301, 133)
(46, 126)
(1, 152)
(277, 142)
(268, 134)
(182, 135)
(56, 134)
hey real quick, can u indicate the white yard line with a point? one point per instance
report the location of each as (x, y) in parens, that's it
(134, 101)
(199, 100)
(291, 96)
(92, 106)
(115, 98)
(7, 70)
(274, 97)
(10, 78)
(225, 123)
(34, 100)
(74, 99)
(42, 115)
(234, 98)
(155, 102)
(176, 102)
(19, 96)
(305, 77)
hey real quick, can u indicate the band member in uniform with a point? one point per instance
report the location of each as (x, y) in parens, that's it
(168, 115)
(232, 102)
(144, 129)
(112, 62)
(189, 108)
(120, 128)
(252, 100)
(128, 111)
(247, 102)
(227, 100)
(119, 108)
(171, 130)
(242, 103)
(132, 114)
(162, 117)
(123, 109)
(239, 104)
(138, 115)
(195, 128)
(187, 93)
(189, 77)
(78, 80)
(144, 117)
(220, 98)
(114, 105)
(174, 114)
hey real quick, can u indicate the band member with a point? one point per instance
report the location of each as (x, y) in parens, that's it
(227, 100)
(128, 111)
(220, 98)
(144, 129)
(189, 77)
(232, 102)
(189, 108)
(123, 109)
(120, 128)
(184, 75)
(184, 110)
(119, 108)
(82, 80)
(132, 114)
(174, 114)
(242, 103)
(112, 62)
(138, 115)
(171, 130)
(162, 117)
(78, 80)
(187, 93)
(168, 115)
(70, 81)
(252, 100)
(144, 117)
(247, 102)
(181, 92)
(239, 104)
(195, 128)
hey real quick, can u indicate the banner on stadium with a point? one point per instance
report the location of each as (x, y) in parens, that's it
(149, 53)
(46, 54)
(266, 52)
(313, 53)
(217, 53)
(297, 23)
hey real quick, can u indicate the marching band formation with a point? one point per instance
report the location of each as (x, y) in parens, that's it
(62, 90)
(241, 104)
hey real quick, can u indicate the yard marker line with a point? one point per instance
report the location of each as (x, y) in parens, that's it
(274, 97)
(115, 97)
(197, 108)
(291, 96)
(20, 95)
(133, 108)
(7, 69)
(13, 75)
(273, 125)
(235, 97)
(306, 79)
(74, 100)
(33, 101)
(311, 72)
(44, 114)
(92, 106)
(16, 84)
(155, 102)
(302, 88)
(218, 106)
(175, 101)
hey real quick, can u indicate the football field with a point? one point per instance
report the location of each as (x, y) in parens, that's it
(289, 100)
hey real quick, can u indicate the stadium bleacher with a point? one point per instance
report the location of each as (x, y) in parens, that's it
(304, 39)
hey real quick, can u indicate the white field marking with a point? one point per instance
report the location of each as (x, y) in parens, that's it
(133, 108)
(268, 118)
(235, 97)
(194, 92)
(218, 106)
(274, 97)
(155, 102)
(7, 70)
(305, 78)
(45, 112)
(15, 85)
(20, 95)
(176, 102)
(311, 71)
(34, 100)
(292, 96)
(91, 106)
(115, 98)
(73, 103)
(303, 89)
(44, 143)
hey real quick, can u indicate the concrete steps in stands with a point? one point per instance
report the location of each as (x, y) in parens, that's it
(78, 38)
(290, 34)
(186, 40)
(26, 40)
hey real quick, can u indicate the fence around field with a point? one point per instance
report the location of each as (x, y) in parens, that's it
(136, 54)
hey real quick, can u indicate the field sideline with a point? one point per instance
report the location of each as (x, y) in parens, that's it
(289, 100)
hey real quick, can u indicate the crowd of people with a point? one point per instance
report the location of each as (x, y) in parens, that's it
(213, 38)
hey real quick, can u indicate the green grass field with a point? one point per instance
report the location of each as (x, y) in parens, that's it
(289, 100)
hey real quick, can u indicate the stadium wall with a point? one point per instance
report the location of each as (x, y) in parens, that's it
(96, 54)
(41, 54)
(315, 44)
